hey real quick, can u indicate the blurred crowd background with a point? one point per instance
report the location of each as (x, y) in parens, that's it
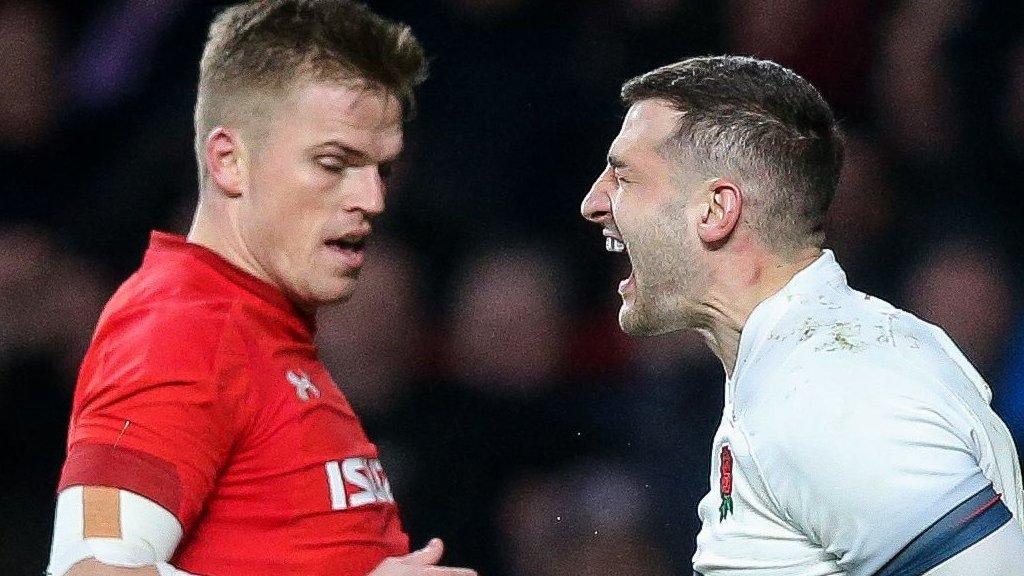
(481, 349)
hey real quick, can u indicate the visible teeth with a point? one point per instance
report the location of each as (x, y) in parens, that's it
(613, 245)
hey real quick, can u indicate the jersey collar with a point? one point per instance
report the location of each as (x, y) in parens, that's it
(164, 241)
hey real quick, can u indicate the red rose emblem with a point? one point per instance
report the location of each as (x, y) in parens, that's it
(725, 482)
(726, 471)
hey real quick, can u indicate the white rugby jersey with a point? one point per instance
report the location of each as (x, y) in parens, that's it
(850, 427)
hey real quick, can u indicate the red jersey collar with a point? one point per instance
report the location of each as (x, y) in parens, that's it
(165, 241)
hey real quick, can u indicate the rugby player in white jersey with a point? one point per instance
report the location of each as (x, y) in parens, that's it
(855, 439)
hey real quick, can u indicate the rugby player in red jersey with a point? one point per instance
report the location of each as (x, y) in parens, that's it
(206, 436)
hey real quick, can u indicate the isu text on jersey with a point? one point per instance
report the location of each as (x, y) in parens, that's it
(202, 391)
(365, 475)
(850, 428)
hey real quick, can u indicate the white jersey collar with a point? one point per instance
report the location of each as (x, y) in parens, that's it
(812, 280)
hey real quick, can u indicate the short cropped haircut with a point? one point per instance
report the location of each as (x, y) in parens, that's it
(257, 50)
(760, 122)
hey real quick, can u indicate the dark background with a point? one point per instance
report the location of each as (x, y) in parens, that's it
(481, 348)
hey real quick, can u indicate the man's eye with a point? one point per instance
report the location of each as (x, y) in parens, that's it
(331, 163)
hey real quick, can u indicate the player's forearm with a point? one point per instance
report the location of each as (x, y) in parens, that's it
(93, 567)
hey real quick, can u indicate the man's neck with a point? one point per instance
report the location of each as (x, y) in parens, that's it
(733, 298)
(214, 229)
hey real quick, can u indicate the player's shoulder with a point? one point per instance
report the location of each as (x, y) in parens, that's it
(160, 320)
(853, 337)
(853, 362)
(856, 419)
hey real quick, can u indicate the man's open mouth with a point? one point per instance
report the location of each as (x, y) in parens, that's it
(351, 248)
(613, 243)
(354, 245)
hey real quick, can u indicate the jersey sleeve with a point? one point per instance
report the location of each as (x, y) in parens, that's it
(153, 412)
(863, 459)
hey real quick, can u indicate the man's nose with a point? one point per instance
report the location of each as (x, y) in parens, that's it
(369, 196)
(596, 205)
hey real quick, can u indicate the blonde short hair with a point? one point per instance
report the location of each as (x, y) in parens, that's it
(256, 50)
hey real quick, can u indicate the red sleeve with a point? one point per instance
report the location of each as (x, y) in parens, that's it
(153, 413)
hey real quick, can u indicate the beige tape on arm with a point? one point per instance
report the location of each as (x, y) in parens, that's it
(101, 509)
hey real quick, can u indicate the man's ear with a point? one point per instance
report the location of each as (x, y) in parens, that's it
(721, 212)
(225, 160)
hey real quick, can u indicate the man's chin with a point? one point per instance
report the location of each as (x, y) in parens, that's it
(634, 322)
(637, 321)
(335, 291)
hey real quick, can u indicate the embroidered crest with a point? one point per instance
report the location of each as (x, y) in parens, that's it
(725, 483)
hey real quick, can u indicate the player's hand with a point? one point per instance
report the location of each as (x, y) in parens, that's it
(422, 562)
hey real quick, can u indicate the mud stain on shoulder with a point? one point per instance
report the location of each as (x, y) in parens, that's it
(842, 336)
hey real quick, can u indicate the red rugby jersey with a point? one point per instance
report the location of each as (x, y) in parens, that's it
(202, 391)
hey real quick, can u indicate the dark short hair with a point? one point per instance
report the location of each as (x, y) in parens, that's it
(762, 123)
(257, 48)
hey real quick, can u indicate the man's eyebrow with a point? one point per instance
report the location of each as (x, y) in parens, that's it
(615, 161)
(357, 154)
(347, 149)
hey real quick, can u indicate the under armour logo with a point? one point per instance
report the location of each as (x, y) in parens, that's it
(304, 387)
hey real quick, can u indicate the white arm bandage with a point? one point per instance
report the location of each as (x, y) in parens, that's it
(149, 535)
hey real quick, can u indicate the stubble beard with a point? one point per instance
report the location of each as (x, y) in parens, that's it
(667, 283)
